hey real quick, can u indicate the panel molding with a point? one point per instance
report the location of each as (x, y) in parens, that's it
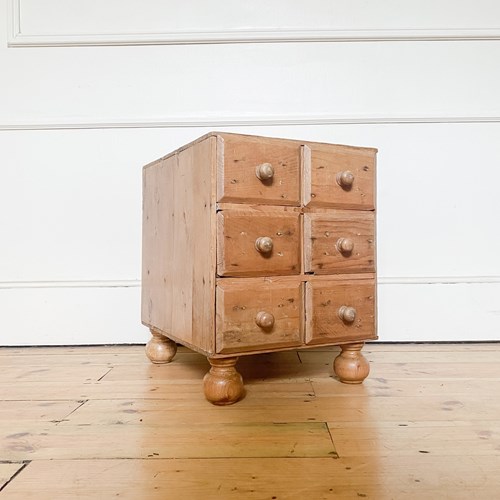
(435, 280)
(389, 280)
(71, 284)
(18, 39)
(245, 120)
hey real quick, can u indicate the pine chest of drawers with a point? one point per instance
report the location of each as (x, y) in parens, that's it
(255, 244)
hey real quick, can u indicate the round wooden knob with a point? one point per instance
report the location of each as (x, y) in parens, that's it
(264, 244)
(345, 246)
(264, 320)
(264, 172)
(345, 179)
(347, 314)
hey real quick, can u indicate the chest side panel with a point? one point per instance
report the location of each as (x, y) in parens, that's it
(179, 246)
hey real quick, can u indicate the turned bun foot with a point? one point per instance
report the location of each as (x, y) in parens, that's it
(160, 349)
(350, 366)
(223, 385)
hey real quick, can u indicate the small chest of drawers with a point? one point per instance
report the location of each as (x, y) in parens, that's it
(255, 244)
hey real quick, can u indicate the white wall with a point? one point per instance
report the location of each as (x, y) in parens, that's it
(92, 90)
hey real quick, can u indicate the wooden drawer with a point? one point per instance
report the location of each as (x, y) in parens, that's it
(338, 311)
(242, 159)
(250, 244)
(340, 177)
(258, 314)
(340, 241)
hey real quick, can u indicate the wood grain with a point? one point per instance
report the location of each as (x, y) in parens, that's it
(409, 438)
(237, 181)
(327, 162)
(7, 471)
(36, 411)
(237, 233)
(259, 209)
(420, 476)
(322, 233)
(324, 300)
(26, 373)
(179, 258)
(214, 440)
(238, 305)
(157, 244)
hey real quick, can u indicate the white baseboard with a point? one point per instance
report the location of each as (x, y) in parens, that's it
(57, 315)
(71, 316)
(424, 312)
(251, 36)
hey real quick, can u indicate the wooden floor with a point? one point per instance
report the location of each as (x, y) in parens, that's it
(102, 422)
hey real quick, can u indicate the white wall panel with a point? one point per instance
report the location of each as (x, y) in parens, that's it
(258, 81)
(71, 199)
(77, 124)
(437, 195)
(70, 202)
(156, 21)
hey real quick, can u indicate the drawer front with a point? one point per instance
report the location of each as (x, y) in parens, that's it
(257, 170)
(258, 315)
(250, 244)
(340, 311)
(339, 242)
(339, 177)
